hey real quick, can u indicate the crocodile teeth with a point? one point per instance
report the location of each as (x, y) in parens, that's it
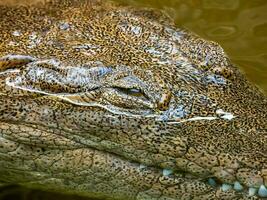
(252, 191)
(167, 172)
(225, 115)
(238, 186)
(228, 116)
(141, 166)
(226, 187)
(262, 191)
(212, 182)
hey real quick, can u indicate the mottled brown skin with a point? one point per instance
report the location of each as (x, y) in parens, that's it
(90, 90)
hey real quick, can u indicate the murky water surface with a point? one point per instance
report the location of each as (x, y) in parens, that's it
(239, 26)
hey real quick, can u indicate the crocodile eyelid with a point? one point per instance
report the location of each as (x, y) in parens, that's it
(132, 92)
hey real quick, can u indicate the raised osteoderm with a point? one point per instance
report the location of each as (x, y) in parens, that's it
(117, 103)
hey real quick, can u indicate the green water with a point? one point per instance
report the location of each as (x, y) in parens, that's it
(239, 26)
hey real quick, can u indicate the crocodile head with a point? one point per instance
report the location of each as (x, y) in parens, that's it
(112, 102)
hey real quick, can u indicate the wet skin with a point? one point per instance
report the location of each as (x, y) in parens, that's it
(117, 103)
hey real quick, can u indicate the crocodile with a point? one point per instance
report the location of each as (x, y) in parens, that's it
(114, 102)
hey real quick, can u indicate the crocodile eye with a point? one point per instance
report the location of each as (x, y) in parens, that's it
(131, 91)
(127, 97)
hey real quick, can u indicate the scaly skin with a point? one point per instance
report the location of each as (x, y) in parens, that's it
(116, 103)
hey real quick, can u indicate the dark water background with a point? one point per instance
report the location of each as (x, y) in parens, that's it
(239, 26)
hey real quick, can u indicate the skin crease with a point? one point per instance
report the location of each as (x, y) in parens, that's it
(90, 90)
